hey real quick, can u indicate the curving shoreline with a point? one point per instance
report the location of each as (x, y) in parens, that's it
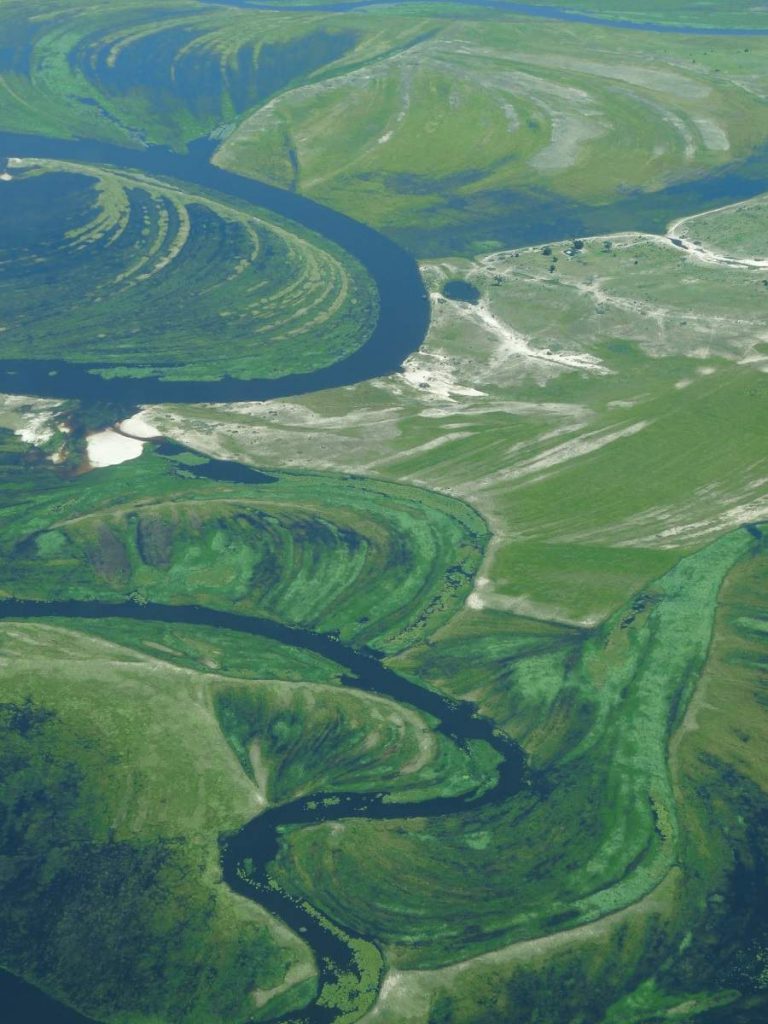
(548, 12)
(257, 842)
(401, 327)
(404, 308)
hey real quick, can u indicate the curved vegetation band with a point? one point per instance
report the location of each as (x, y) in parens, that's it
(95, 262)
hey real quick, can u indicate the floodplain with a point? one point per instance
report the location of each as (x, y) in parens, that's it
(436, 697)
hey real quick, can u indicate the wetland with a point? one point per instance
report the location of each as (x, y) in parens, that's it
(249, 656)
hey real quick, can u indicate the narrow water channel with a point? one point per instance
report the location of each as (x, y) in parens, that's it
(245, 856)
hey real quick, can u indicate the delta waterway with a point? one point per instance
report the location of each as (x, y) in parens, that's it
(401, 327)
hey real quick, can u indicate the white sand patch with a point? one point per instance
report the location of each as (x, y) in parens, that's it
(6, 176)
(476, 601)
(428, 446)
(432, 374)
(511, 344)
(108, 448)
(568, 136)
(36, 430)
(712, 134)
(138, 426)
(385, 138)
(391, 981)
(681, 128)
(704, 255)
(31, 419)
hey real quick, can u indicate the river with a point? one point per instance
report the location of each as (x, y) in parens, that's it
(401, 327)
(258, 841)
(546, 11)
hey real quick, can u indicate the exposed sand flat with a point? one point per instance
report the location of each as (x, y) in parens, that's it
(138, 426)
(108, 448)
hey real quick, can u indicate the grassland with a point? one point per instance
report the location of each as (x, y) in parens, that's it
(381, 565)
(553, 511)
(595, 867)
(694, 946)
(270, 722)
(600, 403)
(110, 817)
(98, 755)
(634, 858)
(566, 859)
(465, 121)
(732, 233)
(162, 72)
(123, 258)
(709, 13)
(602, 407)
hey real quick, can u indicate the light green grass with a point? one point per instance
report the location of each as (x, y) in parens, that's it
(569, 859)
(454, 117)
(380, 564)
(604, 418)
(117, 781)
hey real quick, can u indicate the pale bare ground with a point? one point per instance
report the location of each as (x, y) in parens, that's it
(108, 448)
(405, 996)
(139, 426)
(416, 426)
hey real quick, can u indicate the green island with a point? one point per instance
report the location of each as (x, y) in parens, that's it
(432, 695)
(136, 276)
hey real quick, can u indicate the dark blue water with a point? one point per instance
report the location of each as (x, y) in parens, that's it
(461, 291)
(21, 1003)
(257, 844)
(404, 311)
(507, 6)
(404, 306)
(214, 469)
(401, 327)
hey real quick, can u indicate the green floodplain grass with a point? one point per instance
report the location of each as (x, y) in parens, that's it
(133, 754)
(569, 858)
(587, 438)
(637, 865)
(544, 116)
(704, 13)
(602, 407)
(601, 712)
(279, 712)
(424, 92)
(696, 942)
(129, 257)
(739, 13)
(380, 564)
(734, 232)
(116, 782)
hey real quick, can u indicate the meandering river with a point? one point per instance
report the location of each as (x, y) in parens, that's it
(548, 12)
(401, 327)
(257, 843)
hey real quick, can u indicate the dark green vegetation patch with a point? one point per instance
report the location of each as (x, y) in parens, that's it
(209, 724)
(134, 276)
